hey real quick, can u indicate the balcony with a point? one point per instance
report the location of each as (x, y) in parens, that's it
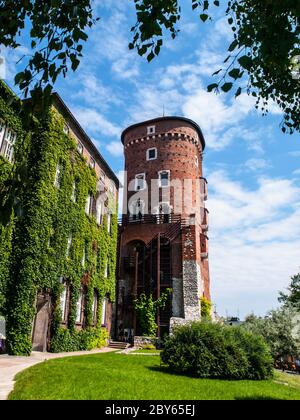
(154, 219)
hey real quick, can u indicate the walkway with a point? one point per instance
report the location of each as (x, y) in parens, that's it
(11, 365)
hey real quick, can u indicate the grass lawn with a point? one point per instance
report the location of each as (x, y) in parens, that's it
(292, 380)
(146, 351)
(114, 376)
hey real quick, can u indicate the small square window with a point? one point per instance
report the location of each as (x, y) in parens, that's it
(164, 178)
(151, 130)
(152, 154)
(140, 182)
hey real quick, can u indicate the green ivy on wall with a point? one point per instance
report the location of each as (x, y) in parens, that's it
(9, 112)
(40, 240)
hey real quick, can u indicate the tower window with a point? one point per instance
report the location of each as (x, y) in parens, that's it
(151, 130)
(164, 179)
(140, 182)
(152, 154)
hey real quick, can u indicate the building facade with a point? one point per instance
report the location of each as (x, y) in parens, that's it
(58, 251)
(163, 240)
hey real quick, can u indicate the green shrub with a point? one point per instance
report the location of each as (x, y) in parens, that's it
(209, 350)
(149, 347)
(206, 307)
(87, 339)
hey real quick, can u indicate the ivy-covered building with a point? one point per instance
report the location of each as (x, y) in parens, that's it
(58, 249)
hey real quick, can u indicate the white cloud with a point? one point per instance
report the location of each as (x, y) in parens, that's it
(94, 93)
(94, 122)
(115, 148)
(296, 153)
(256, 164)
(254, 241)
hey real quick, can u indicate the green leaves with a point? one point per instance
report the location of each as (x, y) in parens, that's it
(236, 73)
(246, 62)
(57, 32)
(211, 87)
(227, 87)
(204, 17)
(152, 19)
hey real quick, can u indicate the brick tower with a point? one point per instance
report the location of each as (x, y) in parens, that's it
(163, 239)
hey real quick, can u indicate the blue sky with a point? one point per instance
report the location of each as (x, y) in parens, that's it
(253, 170)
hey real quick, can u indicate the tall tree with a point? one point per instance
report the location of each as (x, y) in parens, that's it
(280, 329)
(292, 297)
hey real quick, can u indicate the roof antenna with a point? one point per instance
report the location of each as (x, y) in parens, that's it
(163, 110)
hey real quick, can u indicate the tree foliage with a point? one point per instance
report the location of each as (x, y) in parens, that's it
(263, 58)
(292, 297)
(146, 308)
(280, 330)
(57, 31)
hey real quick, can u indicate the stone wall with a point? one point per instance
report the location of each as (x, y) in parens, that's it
(192, 290)
(140, 341)
(177, 301)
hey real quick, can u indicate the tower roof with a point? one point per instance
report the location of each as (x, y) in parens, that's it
(155, 120)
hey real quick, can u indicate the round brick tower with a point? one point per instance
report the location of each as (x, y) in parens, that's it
(163, 236)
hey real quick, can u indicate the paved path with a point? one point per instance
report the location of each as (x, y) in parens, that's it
(11, 365)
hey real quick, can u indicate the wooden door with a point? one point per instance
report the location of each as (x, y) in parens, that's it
(41, 323)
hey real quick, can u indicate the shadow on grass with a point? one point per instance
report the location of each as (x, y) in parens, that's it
(258, 398)
(166, 370)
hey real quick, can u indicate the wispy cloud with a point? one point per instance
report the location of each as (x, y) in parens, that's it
(256, 164)
(95, 123)
(254, 240)
(115, 148)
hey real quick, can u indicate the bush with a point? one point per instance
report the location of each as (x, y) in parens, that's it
(209, 350)
(87, 339)
(149, 347)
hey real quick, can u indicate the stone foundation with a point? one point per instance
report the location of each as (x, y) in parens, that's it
(192, 290)
(177, 301)
(140, 341)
